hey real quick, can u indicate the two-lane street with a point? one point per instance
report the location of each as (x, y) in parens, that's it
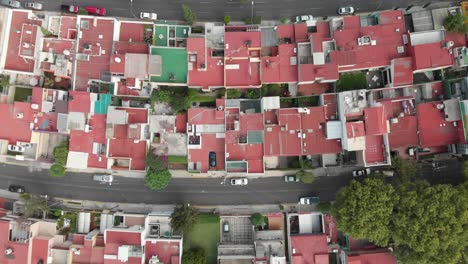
(196, 191)
(215, 10)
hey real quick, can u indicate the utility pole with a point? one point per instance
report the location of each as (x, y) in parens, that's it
(251, 14)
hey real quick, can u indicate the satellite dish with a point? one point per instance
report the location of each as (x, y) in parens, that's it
(117, 59)
(66, 52)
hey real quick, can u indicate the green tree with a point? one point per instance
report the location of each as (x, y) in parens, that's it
(61, 153)
(156, 163)
(34, 205)
(363, 210)
(163, 96)
(283, 20)
(257, 20)
(157, 180)
(248, 21)
(404, 168)
(465, 169)
(183, 218)
(305, 176)
(257, 219)
(227, 20)
(456, 23)
(57, 170)
(430, 223)
(194, 256)
(253, 94)
(189, 14)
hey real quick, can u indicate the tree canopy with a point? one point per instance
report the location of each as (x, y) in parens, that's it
(257, 219)
(194, 256)
(157, 176)
(429, 224)
(363, 210)
(57, 170)
(34, 205)
(61, 153)
(456, 23)
(189, 14)
(183, 218)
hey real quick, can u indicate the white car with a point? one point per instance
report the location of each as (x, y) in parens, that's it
(362, 172)
(11, 3)
(309, 200)
(304, 18)
(106, 178)
(16, 148)
(239, 181)
(347, 10)
(148, 15)
(34, 5)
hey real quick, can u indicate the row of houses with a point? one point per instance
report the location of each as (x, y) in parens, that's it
(88, 75)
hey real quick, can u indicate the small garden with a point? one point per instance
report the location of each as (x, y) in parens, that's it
(157, 176)
(22, 94)
(204, 235)
(181, 98)
(60, 158)
(351, 81)
(4, 82)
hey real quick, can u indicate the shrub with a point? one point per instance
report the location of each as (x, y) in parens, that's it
(227, 19)
(189, 14)
(57, 170)
(194, 256)
(61, 153)
(257, 20)
(283, 20)
(305, 176)
(157, 180)
(253, 94)
(257, 219)
(248, 21)
(233, 93)
(456, 23)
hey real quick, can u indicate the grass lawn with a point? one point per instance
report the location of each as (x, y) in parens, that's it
(21, 94)
(177, 159)
(205, 234)
(351, 81)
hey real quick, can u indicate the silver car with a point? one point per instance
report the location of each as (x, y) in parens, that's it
(11, 3)
(239, 181)
(16, 148)
(148, 15)
(106, 178)
(34, 5)
(347, 10)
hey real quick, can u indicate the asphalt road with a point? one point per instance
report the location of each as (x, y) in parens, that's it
(214, 10)
(196, 191)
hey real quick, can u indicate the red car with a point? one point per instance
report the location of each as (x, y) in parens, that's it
(93, 10)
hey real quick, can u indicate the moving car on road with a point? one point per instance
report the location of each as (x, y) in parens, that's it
(11, 3)
(106, 178)
(291, 178)
(309, 200)
(70, 8)
(16, 148)
(16, 188)
(94, 10)
(346, 10)
(148, 15)
(304, 18)
(34, 5)
(239, 181)
(362, 172)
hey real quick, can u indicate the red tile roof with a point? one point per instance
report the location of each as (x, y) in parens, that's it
(115, 238)
(123, 47)
(79, 102)
(20, 250)
(433, 129)
(181, 123)
(14, 60)
(128, 148)
(431, 55)
(132, 31)
(314, 72)
(372, 258)
(404, 133)
(245, 74)
(213, 73)
(375, 120)
(285, 31)
(117, 64)
(300, 32)
(387, 36)
(322, 34)
(136, 115)
(40, 249)
(204, 116)
(309, 249)
(355, 129)
(236, 41)
(165, 250)
(375, 151)
(278, 68)
(14, 129)
(402, 71)
(67, 27)
(210, 142)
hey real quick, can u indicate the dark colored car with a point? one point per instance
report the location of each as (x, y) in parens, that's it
(212, 159)
(16, 188)
(70, 8)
